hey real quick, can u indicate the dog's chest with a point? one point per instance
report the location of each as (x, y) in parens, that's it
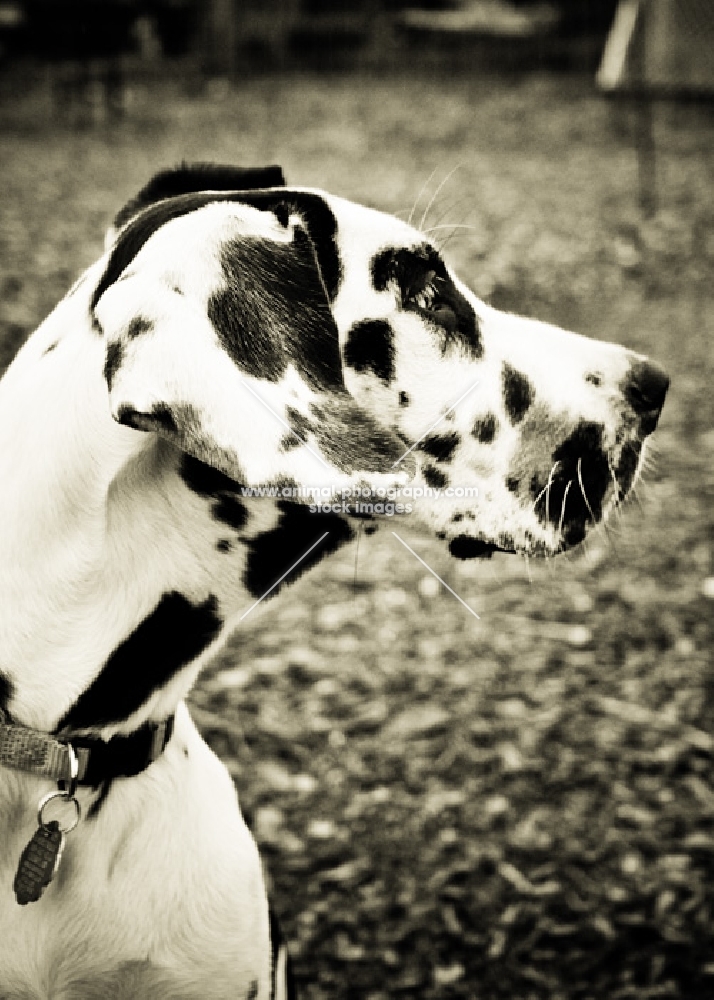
(160, 891)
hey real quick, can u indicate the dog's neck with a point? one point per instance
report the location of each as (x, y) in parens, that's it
(89, 541)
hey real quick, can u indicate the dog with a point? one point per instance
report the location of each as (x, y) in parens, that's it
(237, 337)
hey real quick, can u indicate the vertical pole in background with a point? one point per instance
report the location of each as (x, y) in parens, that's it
(644, 119)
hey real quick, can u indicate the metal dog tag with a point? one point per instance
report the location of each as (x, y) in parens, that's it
(38, 863)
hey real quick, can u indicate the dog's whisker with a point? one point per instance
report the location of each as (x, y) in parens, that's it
(635, 493)
(550, 475)
(451, 210)
(582, 490)
(423, 188)
(528, 567)
(436, 194)
(548, 487)
(600, 525)
(618, 491)
(450, 225)
(562, 506)
(446, 241)
(451, 207)
(456, 232)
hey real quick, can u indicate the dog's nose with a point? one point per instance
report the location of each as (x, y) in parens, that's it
(645, 388)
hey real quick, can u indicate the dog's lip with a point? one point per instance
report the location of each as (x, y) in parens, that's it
(467, 547)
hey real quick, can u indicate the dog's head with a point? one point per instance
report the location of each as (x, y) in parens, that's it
(274, 330)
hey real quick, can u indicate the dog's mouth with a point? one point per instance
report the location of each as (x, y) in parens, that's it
(582, 487)
(570, 494)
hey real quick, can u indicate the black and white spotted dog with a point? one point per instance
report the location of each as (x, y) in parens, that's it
(235, 332)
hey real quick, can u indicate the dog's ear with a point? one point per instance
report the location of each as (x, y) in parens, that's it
(219, 336)
(189, 178)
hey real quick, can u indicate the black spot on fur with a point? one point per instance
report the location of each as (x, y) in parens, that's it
(404, 398)
(113, 361)
(203, 479)
(370, 347)
(537, 485)
(300, 427)
(349, 438)
(288, 442)
(48, 350)
(138, 326)
(299, 423)
(273, 311)
(440, 446)
(594, 378)
(273, 552)
(223, 545)
(419, 273)
(465, 547)
(484, 429)
(96, 806)
(160, 418)
(193, 177)
(513, 484)
(518, 393)
(585, 446)
(6, 690)
(130, 417)
(282, 213)
(320, 223)
(574, 498)
(169, 638)
(626, 468)
(434, 478)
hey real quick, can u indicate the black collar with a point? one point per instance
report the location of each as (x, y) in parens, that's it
(97, 760)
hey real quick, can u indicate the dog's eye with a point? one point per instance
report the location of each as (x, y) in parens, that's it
(428, 298)
(424, 293)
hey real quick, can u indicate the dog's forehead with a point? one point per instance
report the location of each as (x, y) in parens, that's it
(195, 241)
(152, 224)
(364, 231)
(346, 235)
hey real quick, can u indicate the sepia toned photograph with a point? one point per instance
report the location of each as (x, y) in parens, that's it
(356, 500)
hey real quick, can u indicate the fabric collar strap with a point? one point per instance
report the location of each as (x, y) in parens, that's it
(98, 760)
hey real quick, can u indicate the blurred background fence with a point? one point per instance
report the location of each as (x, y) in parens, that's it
(91, 52)
(227, 36)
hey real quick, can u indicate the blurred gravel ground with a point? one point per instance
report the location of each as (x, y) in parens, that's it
(519, 806)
